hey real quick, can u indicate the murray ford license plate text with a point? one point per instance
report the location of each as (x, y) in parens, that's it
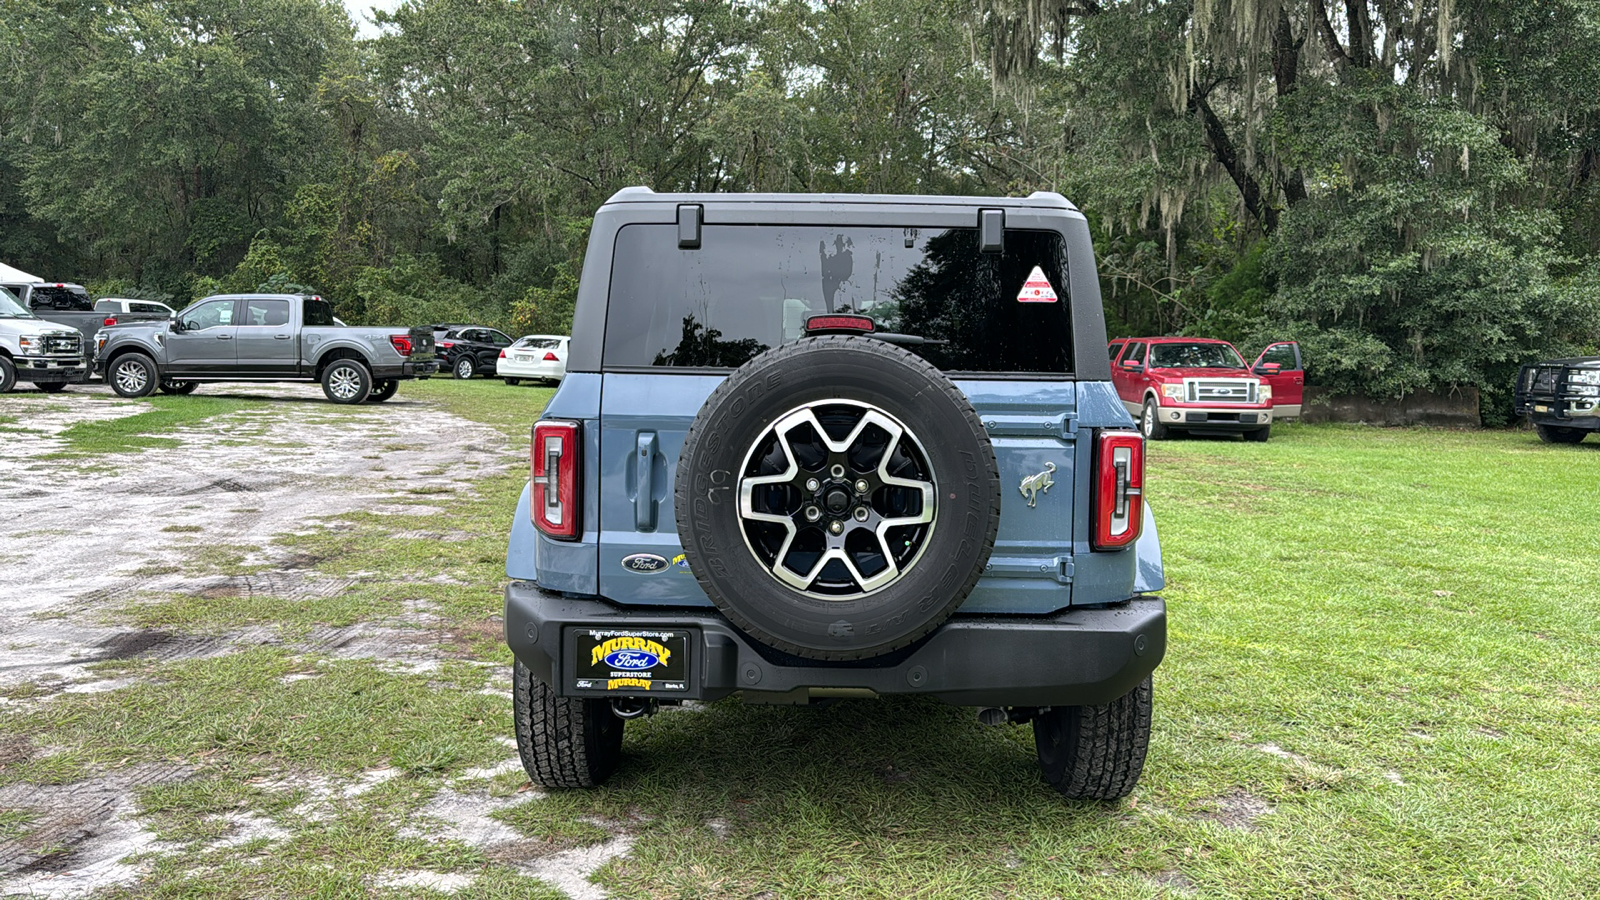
(610, 660)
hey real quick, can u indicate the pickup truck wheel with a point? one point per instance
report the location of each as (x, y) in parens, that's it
(1095, 752)
(1150, 422)
(385, 389)
(179, 387)
(134, 375)
(52, 387)
(1260, 435)
(1555, 434)
(564, 742)
(8, 375)
(466, 367)
(837, 498)
(346, 381)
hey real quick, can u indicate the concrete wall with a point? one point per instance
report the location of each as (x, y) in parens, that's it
(1459, 409)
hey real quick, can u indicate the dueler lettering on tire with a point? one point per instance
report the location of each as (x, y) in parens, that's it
(837, 498)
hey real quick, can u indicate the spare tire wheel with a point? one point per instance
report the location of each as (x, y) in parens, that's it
(837, 498)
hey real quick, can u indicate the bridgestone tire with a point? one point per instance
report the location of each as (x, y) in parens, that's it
(346, 381)
(465, 368)
(1095, 752)
(384, 390)
(1150, 422)
(1260, 435)
(954, 552)
(133, 375)
(52, 387)
(8, 375)
(1555, 434)
(564, 742)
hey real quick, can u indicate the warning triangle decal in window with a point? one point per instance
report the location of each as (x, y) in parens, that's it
(1036, 289)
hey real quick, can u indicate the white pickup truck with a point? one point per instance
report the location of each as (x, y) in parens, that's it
(31, 349)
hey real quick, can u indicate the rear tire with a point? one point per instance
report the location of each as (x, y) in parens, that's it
(133, 375)
(513, 382)
(1150, 422)
(1555, 434)
(1095, 752)
(8, 375)
(52, 387)
(346, 381)
(465, 367)
(385, 389)
(1260, 435)
(179, 387)
(564, 742)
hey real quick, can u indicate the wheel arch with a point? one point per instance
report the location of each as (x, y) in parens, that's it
(344, 352)
(117, 353)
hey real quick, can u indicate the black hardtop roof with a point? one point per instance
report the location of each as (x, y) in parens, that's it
(1035, 200)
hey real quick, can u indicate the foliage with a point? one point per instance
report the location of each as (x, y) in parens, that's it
(1408, 186)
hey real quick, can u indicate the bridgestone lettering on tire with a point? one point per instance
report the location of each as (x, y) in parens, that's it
(1095, 752)
(564, 742)
(837, 498)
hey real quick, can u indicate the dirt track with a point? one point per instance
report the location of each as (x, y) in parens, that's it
(83, 537)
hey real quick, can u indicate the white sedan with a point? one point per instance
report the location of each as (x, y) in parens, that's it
(541, 357)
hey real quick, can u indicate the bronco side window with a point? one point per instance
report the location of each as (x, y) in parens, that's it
(749, 288)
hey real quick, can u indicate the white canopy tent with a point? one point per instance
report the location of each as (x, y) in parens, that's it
(8, 273)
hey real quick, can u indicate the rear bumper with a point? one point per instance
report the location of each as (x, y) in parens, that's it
(1071, 658)
(407, 369)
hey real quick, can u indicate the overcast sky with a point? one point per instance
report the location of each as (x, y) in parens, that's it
(361, 14)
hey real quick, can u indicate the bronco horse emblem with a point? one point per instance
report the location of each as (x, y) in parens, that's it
(1034, 485)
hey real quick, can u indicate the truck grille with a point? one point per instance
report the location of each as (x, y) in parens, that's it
(1219, 390)
(63, 344)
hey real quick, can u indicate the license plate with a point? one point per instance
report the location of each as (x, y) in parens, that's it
(520, 357)
(1540, 407)
(631, 661)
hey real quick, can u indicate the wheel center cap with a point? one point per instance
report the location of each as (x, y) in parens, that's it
(837, 500)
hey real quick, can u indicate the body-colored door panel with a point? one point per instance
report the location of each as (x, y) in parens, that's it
(1280, 366)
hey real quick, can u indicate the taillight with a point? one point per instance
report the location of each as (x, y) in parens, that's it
(446, 345)
(402, 343)
(554, 460)
(551, 357)
(1119, 489)
(502, 354)
(110, 321)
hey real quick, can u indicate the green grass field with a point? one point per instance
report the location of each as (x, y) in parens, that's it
(1381, 682)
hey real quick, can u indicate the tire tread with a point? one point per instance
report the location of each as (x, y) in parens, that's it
(560, 741)
(1103, 748)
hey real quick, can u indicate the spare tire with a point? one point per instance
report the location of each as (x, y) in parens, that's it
(837, 498)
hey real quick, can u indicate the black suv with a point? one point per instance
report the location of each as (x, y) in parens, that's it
(472, 350)
(1561, 397)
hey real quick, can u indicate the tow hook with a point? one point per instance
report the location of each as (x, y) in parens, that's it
(632, 707)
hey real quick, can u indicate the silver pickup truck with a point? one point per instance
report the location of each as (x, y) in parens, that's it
(262, 337)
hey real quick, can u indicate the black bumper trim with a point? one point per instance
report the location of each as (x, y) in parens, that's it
(1071, 658)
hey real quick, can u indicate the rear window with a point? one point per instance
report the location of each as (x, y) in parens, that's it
(317, 312)
(60, 298)
(529, 343)
(751, 288)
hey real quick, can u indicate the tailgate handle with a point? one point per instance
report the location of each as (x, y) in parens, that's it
(644, 501)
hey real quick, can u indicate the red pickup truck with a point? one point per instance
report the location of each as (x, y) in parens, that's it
(1203, 385)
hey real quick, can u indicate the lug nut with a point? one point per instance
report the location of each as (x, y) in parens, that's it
(836, 527)
(812, 484)
(836, 471)
(813, 514)
(861, 514)
(861, 486)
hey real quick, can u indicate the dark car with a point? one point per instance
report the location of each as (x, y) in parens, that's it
(1561, 397)
(471, 350)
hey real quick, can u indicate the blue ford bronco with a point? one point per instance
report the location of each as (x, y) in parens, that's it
(813, 447)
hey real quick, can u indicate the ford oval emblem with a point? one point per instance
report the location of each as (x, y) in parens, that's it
(645, 562)
(631, 659)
